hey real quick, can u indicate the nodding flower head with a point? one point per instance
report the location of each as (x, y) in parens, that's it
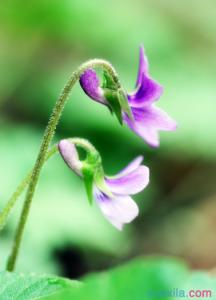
(137, 109)
(111, 193)
(91, 86)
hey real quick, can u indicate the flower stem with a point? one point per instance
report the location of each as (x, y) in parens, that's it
(47, 138)
(21, 187)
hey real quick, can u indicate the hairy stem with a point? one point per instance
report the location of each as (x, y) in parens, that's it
(47, 138)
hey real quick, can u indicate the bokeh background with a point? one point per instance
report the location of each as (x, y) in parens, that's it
(41, 43)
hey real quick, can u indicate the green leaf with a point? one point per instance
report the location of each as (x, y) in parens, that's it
(141, 279)
(25, 287)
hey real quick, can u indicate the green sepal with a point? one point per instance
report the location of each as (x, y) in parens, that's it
(116, 97)
(94, 159)
(108, 81)
(92, 172)
(113, 100)
(100, 182)
(88, 177)
(123, 101)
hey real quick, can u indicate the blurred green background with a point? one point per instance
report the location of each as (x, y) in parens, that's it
(41, 43)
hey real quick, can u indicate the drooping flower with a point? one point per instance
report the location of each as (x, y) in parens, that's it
(138, 111)
(91, 85)
(112, 194)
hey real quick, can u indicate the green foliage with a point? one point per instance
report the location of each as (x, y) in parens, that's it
(28, 287)
(153, 278)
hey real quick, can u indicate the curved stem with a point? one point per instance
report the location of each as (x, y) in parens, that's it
(10, 204)
(83, 143)
(4, 214)
(21, 187)
(47, 138)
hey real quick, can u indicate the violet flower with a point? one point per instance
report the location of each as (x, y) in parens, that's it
(112, 194)
(147, 119)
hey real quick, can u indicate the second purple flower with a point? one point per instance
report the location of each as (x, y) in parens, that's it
(137, 109)
(111, 193)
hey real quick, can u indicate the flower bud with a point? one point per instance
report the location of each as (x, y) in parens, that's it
(90, 169)
(108, 94)
(69, 154)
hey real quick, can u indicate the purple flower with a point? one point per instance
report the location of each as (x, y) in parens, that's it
(112, 194)
(147, 119)
(121, 209)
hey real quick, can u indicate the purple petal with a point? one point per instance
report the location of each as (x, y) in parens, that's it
(129, 184)
(91, 85)
(148, 121)
(119, 210)
(69, 154)
(148, 92)
(143, 65)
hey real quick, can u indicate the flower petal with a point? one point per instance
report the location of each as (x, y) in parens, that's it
(143, 65)
(119, 210)
(147, 92)
(132, 166)
(129, 184)
(69, 154)
(148, 121)
(91, 86)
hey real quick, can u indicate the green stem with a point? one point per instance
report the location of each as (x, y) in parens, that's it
(83, 143)
(7, 209)
(4, 214)
(47, 138)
